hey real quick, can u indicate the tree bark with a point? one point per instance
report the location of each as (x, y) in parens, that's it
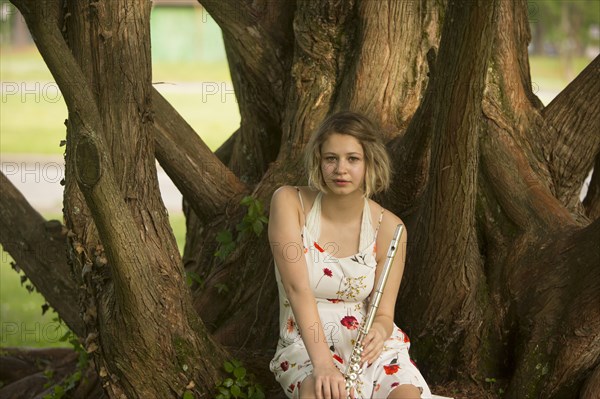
(257, 40)
(591, 202)
(24, 374)
(500, 280)
(204, 182)
(134, 277)
(446, 233)
(39, 248)
(573, 141)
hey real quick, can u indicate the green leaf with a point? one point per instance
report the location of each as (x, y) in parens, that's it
(75, 377)
(224, 250)
(239, 372)
(193, 277)
(59, 391)
(257, 226)
(188, 395)
(229, 367)
(224, 236)
(258, 394)
(65, 337)
(247, 200)
(235, 391)
(236, 363)
(228, 382)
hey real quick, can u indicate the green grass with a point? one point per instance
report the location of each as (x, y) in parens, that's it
(32, 120)
(21, 320)
(549, 72)
(28, 65)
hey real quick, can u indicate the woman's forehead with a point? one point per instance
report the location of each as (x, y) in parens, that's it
(341, 143)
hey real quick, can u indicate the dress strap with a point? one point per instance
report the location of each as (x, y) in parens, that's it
(300, 196)
(380, 219)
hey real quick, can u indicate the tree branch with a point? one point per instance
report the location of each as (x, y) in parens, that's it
(390, 90)
(528, 204)
(258, 40)
(573, 141)
(24, 373)
(261, 36)
(511, 59)
(412, 152)
(141, 255)
(323, 31)
(556, 283)
(39, 248)
(447, 226)
(453, 174)
(183, 154)
(225, 151)
(94, 167)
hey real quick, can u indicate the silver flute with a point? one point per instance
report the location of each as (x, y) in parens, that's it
(354, 369)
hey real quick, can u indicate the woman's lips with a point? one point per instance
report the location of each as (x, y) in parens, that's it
(341, 182)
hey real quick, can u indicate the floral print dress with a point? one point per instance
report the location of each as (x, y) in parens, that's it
(341, 287)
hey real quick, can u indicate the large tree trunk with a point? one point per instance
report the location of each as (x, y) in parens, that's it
(136, 307)
(502, 278)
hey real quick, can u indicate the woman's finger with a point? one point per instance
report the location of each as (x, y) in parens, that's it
(335, 394)
(326, 390)
(342, 389)
(319, 388)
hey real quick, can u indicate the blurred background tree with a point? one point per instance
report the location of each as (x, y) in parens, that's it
(565, 29)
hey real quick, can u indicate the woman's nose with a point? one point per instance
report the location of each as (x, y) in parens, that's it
(340, 166)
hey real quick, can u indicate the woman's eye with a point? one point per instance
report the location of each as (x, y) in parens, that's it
(330, 159)
(353, 159)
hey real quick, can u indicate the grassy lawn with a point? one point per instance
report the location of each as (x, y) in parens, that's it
(21, 319)
(32, 110)
(548, 72)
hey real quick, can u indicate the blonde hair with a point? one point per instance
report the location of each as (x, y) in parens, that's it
(377, 161)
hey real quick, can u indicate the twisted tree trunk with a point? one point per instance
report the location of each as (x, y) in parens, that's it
(502, 278)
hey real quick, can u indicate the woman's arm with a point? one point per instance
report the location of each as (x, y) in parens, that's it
(383, 323)
(284, 233)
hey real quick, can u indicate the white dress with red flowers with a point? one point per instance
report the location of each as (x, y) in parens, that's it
(341, 287)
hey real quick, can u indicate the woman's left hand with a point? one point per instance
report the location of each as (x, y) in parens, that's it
(372, 346)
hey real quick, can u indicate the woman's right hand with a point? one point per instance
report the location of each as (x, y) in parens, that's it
(330, 383)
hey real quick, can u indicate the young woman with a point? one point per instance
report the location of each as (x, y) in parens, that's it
(328, 254)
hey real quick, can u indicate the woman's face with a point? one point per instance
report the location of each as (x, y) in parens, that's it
(343, 164)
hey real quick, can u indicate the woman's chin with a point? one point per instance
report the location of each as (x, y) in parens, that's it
(342, 189)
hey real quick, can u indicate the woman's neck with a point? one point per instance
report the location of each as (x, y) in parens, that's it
(342, 209)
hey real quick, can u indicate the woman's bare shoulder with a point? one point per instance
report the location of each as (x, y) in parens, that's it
(287, 206)
(284, 191)
(288, 195)
(389, 220)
